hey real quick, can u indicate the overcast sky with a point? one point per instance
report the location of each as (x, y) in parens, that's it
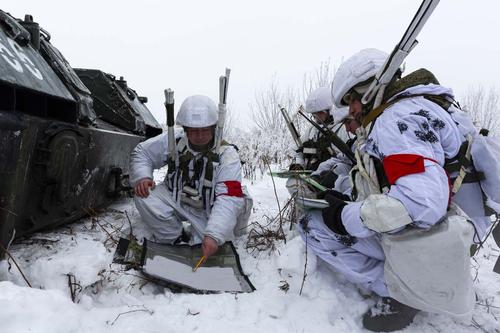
(187, 44)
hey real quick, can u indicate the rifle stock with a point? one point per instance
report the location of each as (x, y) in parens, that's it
(169, 107)
(223, 86)
(398, 55)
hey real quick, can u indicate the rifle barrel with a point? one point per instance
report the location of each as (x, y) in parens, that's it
(335, 140)
(399, 54)
(291, 127)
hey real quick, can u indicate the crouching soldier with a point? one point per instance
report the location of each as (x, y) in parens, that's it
(201, 180)
(316, 147)
(403, 233)
(334, 172)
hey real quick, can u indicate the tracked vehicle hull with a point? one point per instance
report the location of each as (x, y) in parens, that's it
(64, 147)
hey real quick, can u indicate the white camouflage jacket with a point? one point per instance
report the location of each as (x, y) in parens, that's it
(153, 154)
(420, 127)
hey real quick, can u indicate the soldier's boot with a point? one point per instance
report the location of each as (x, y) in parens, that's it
(388, 315)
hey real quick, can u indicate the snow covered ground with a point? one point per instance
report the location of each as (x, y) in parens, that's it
(109, 299)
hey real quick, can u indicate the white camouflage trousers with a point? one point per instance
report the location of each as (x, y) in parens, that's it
(161, 219)
(360, 260)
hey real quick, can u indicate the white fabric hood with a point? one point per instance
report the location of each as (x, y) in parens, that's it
(358, 68)
(431, 89)
(339, 114)
(319, 100)
(197, 111)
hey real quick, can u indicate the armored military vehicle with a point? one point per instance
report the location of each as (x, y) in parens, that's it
(65, 134)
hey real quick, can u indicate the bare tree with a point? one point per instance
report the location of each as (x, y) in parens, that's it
(321, 77)
(271, 141)
(483, 106)
(265, 111)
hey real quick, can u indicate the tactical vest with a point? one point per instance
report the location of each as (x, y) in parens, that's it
(316, 151)
(191, 181)
(460, 162)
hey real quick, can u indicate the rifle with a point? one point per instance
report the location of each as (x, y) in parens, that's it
(291, 127)
(223, 86)
(398, 55)
(199, 225)
(334, 138)
(301, 174)
(169, 107)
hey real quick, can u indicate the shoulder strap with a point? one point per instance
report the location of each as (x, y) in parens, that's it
(225, 143)
(440, 100)
(375, 113)
(420, 76)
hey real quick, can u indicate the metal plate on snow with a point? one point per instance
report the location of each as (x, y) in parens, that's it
(496, 269)
(496, 237)
(496, 234)
(173, 265)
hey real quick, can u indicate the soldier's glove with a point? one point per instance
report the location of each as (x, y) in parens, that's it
(326, 178)
(332, 216)
(335, 194)
(295, 167)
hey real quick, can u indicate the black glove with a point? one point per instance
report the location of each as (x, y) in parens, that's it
(333, 193)
(295, 167)
(332, 216)
(327, 178)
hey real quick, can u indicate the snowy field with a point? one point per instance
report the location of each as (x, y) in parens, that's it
(108, 299)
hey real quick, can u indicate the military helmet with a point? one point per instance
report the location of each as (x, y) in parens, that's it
(356, 73)
(319, 99)
(197, 111)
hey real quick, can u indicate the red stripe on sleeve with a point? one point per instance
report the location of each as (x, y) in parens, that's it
(233, 188)
(399, 165)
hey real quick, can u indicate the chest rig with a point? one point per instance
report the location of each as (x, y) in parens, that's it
(191, 181)
(316, 151)
(371, 169)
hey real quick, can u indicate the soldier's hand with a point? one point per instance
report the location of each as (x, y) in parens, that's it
(327, 178)
(332, 195)
(295, 167)
(332, 215)
(142, 187)
(209, 246)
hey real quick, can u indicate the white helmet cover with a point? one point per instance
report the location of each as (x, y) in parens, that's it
(319, 99)
(358, 68)
(197, 111)
(339, 114)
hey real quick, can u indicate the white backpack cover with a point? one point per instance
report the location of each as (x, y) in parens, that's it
(430, 269)
(485, 153)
